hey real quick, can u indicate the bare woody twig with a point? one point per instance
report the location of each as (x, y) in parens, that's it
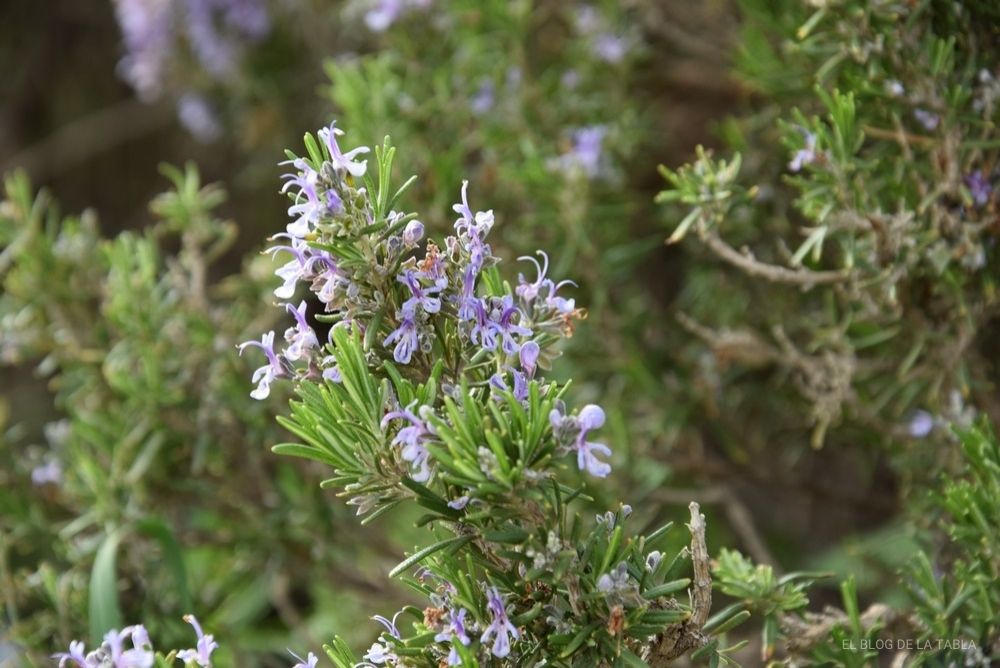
(745, 261)
(681, 638)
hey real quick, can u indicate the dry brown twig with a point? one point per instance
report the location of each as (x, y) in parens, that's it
(744, 260)
(680, 639)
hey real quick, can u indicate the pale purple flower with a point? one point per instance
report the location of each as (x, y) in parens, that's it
(266, 374)
(455, 630)
(806, 155)
(610, 48)
(343, 161)
(653, 560)
(49, 473)
(389, 624)
(503, 315)
(586, 151)
(928, 119)
(76, 655)
(291, 272)
(311, 205)
(301, 338)
(141, 654)
(460, 503)
(483, 99)
(529, 292)
(405, 336)
(420, 295)
(528, 357)
(331, 371)
(472, 230)
(500, 627)
(520, 391)
(921, 424)
(380, 654)
(615, 581)
(148, 33)
(413, 233)
(411, 441)
(979, 187)
(309, 662)
(383, 14)
(591, 417)
(570, 79)
(197, 116)
(202, 654)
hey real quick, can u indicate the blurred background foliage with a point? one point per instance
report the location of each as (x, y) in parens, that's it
(808, 414)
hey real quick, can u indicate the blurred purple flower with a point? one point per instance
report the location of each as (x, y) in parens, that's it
(198, 117)
(928, 119)
(805, 155)
(49, 473)
(979, 187)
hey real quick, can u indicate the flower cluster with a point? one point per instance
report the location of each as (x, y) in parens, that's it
(360, 265)
(114, 651)
(428, 388)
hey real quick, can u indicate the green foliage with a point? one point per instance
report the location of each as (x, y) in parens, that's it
(160, 504)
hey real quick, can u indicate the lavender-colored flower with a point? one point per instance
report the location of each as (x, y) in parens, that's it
(653, 560)
(413, 233)
(500, 627)
(894, 88)
(380, 654)
(928, 119)
(420, 295)
(49, 473)
(266, 374)
(343, 161)
(301, 338)
(529, 292)
(610, 48)
(483, 99)
(979, 187)
(389, 624)
(331, 371)
(921, 424)
(528, 356)
(291, 272)
(455, 630)
(309, 662)
(75, 656)
(198, 117)
(202, 654)
(806, 155)
(615, 581)
(148, 33)
(140, 656)
(591, 417)
(460, 503)
(520, 391)
(472, 230)
(502, 315)
(411, 439)
(383, 14)
(311, 205)
(570, 79)
(405, 336)
(585, 152)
